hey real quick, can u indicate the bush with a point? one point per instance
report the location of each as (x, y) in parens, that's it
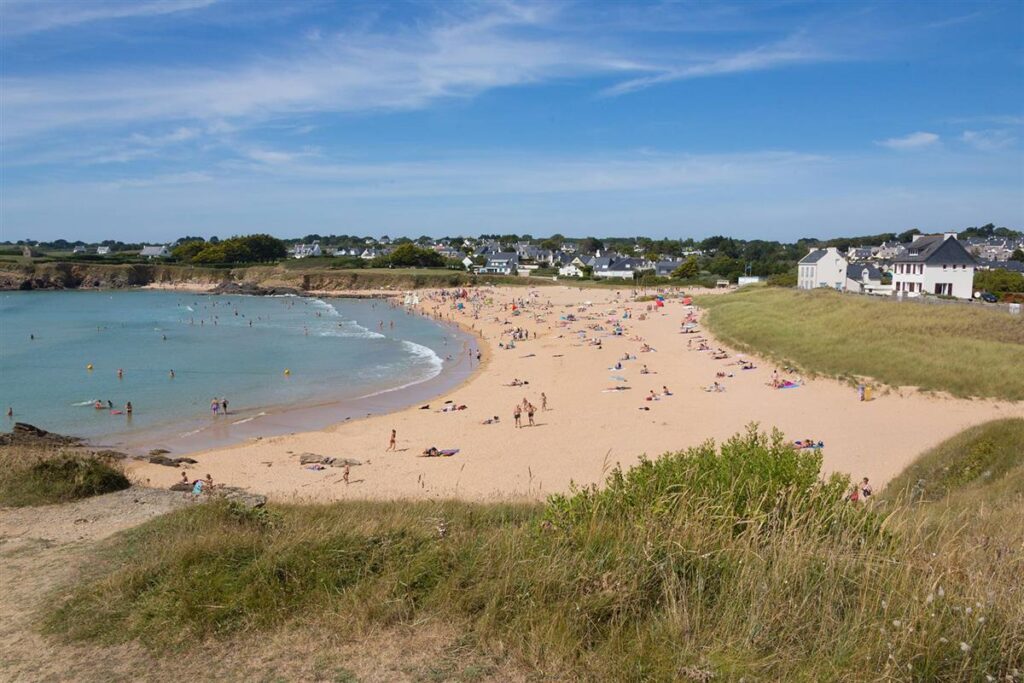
(57, 479)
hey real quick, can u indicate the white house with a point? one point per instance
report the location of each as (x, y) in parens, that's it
(864, 278)
(78, 250)
(102, 251)
(606, 267)
(501, 263)
(307, 250)
(934, 264)
(822, 268)
(159, 251)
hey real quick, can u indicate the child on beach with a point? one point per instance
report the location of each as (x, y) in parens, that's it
(391, 442)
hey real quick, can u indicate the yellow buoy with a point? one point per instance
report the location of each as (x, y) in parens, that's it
(89, 366)
(287, 371)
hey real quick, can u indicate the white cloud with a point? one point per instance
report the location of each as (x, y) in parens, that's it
(455, 56)
(180, 134)
(18, 17)
(918, 140)
(988, 140)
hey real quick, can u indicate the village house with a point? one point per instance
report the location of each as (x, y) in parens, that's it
(934, 264)
(501, 263)
(822, 268)
(607, 267)
(158, 251)
(102, 251)
(306, 250)
(865, 278)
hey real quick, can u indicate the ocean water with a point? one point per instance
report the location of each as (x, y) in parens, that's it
(336, 351)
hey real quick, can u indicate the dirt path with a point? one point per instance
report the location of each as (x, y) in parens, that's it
(43, 549)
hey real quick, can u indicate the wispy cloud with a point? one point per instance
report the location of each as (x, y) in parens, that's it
(918, 140)
(20, 17)
(454, 55)
(989, 140)
(786, 53)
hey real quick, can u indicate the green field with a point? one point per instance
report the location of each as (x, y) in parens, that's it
(714, 563)
(964, 350)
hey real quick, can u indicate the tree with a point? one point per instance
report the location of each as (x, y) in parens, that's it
(1017, 255)
(687, 269)
(410, 256)
(590, 244)
(186, 251)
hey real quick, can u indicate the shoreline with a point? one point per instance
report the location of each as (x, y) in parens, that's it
(588, 428)
(264, 421)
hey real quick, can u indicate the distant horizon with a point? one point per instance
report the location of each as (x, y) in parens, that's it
(531, 237)
(142, 121)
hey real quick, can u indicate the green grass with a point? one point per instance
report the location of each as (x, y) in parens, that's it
(726, 561)
(29, 476)
(976, 457)
(963, 350)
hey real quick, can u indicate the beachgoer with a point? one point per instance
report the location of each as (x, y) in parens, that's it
(172, 373)
(184, 477)
(393, 440)
(854, 495)
(543, 401)
(215, 407)
(128, 408)
(10, 411)
(224, 405)
(517, 414)
(529, 413)
(865, 488)
(344, 473)
(110, 404)
(120, 373)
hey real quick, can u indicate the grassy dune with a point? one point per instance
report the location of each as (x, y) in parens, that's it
(724, 562)
(42, 476)
(963, 350)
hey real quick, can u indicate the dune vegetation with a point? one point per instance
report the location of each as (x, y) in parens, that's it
(964, 350)
(721, 561)
(42, 476)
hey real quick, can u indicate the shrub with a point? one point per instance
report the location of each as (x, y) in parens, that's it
(57, 479)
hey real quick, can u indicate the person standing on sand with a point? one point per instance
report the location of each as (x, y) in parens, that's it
(530, 410)
(392, 442)
(344, 473)
(543, 401)
(517, 415)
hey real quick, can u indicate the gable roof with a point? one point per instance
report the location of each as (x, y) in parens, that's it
(855, 271)
(937, 250)
(814, 256)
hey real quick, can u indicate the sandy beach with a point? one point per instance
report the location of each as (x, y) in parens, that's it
(597, 415)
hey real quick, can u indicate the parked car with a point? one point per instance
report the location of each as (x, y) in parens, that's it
(989, 297)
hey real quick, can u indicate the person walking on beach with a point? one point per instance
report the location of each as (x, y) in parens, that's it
(215, 407)
(393, 441)
(224, 405)
(530, 410)
(543, 401)
(345, 472)
(517, 415)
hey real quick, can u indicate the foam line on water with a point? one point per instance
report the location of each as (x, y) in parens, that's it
(421, 352)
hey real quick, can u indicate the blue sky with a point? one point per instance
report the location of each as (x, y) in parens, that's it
(151, 119)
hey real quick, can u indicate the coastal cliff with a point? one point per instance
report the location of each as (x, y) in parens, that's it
(251, 279)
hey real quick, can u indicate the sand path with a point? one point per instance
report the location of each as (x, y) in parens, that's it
(587, 429)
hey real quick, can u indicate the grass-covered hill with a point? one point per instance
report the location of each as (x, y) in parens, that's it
(720, 562)
(964, 350)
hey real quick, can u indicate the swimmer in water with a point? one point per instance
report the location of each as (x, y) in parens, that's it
(128, 408)
(172, 373)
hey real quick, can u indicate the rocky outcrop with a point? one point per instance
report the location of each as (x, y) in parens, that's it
(68, 275)
(24, 434)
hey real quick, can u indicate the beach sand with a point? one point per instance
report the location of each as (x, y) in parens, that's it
(587, 429)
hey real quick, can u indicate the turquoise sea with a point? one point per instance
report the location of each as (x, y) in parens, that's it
(343, 357)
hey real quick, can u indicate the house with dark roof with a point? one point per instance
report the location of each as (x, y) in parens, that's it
(822, 268)
(501, 263)
(934, 264)
(865, 278)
